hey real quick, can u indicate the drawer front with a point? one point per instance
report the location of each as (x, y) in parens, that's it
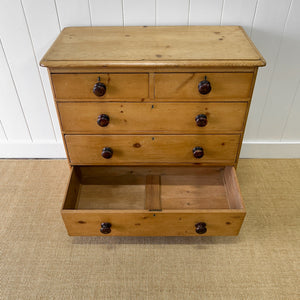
(117, 118)
(184, 86)
(226, 222)
(88, 149)
(118, 86)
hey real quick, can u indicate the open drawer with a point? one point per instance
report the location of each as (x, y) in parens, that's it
(153, 201)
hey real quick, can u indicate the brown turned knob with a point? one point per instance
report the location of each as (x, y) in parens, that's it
(99, 89)
(198, 152)
(105, 228)
(103, 120)
(107, 152)
(201, 120)
(204, 87)
(201, 228)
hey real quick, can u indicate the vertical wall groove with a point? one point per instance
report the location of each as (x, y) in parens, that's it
(123, 13)
(155, 4)
(290, 109)
(57, 14)
(189, 13)
(89, 5)
(3, 129)
(222, 12)
(254, 15)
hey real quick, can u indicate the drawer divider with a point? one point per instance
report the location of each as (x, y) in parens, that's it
(153, 200)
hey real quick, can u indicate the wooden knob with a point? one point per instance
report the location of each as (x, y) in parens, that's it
(103, 120)
(198, 152)
(204, 87)
(107, 152)
(99, 89)
(201, 228)
(105, 228)
(201, 120)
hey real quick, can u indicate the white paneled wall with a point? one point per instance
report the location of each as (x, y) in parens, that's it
(28, 121)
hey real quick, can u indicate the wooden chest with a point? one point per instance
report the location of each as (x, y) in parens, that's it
(153, 119)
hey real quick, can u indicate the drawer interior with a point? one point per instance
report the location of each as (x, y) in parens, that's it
(152, 188)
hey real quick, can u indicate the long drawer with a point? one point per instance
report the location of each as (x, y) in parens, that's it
(118, 86)
(130, 149)
(153, 201)
(120, 118)
(185, 86)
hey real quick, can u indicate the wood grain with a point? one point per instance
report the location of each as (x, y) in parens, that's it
(207, 46)
(142, 132)
(153, 201)
(246, 117)
(151, 117)
(112, 196)
(120, 86)
(232, 189)
(84, 211)
(152, 69)
(184, 86)
(89, 174)
(86, 149)
(187, 191)
(168, 223)
(72, 190)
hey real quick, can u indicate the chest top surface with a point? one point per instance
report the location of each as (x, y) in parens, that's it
(170, 46)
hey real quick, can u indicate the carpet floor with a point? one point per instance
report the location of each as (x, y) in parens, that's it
(40, 261)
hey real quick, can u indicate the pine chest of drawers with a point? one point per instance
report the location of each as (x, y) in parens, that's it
(153, 119)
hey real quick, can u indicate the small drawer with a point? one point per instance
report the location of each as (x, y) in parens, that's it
(114, 86)
(153, 201)
(128, 118)
(143, 149)
(190, 86)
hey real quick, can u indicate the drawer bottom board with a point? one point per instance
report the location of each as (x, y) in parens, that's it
(153, 201)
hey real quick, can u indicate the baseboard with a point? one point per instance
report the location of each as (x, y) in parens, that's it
(50, 149)
(42, 149)
(270, 150)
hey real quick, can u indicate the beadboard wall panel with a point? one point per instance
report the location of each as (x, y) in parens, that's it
(106, 13)
(139, 12)
(38, 24)
(286, 69)
(3, 136)
(23, 64)
(73, 13)
(13, 123)
(292, 126)
(237, 12)
(203, 12)
(268, 28)
(28, 123)
(170, 12)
